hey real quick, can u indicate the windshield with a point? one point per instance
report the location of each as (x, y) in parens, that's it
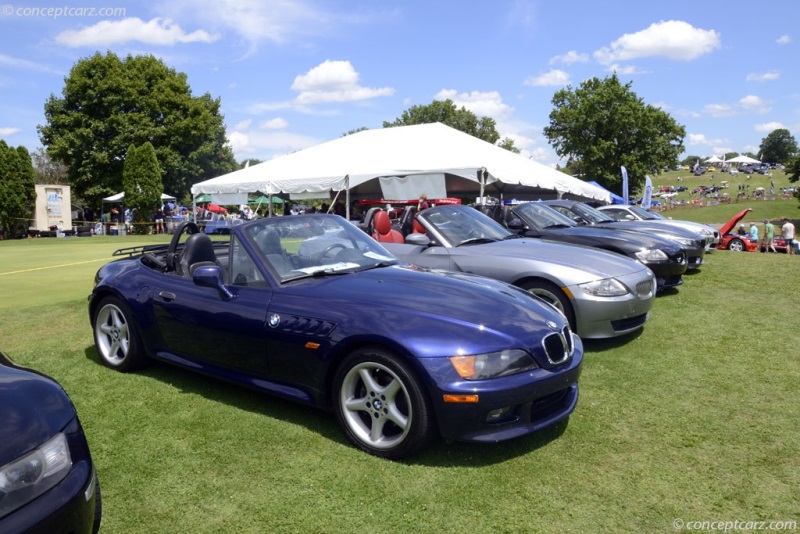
(643, 213)
(301, 246)
(541, 215)
(591, 214)
(459, 225)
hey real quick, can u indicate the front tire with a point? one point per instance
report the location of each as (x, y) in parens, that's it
(553, 296)
(381, 406)
(116, 336)
(736, 245)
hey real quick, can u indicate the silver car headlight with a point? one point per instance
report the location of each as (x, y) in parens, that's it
(26, 478)
(610, 287)
(706, 232)
(493, 364)
(685, 241)
(650, 255)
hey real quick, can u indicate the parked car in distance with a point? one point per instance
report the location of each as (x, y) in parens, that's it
(636, 213)
(665, 258)
(693, 244)
(48, 481)
(312, 309)
(603, 294)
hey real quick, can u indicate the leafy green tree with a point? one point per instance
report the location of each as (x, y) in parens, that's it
(446, 112)
(691, 160)
(354, 130)
(509, 145)
(48, 171)
(17, 190)
(108, 103)
(141, 179)
(778, 146)
(605, 125)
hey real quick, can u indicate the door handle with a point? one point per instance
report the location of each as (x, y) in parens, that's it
(166, 295)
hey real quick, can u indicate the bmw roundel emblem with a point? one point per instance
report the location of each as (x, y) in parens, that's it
(274, 320)
(552, 325)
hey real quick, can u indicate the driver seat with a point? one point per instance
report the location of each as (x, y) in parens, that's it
(197, 251)
(384, 232)
(270, 243)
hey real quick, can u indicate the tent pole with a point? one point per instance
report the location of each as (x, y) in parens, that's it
(482, 181)
(347, 197)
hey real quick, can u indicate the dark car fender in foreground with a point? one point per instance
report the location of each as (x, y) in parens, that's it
(36, 415)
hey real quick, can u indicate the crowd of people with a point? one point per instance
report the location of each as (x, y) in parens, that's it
(767, 243)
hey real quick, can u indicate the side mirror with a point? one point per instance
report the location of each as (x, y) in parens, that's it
(420, 240)
(211, 276)
(629, 217)
(514, 223)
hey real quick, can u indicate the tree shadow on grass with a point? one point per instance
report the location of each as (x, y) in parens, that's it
(439, 453)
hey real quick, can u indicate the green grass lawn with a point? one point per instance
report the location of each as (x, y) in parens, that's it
(692, 418)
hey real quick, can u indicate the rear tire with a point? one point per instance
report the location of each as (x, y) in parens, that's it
(381, 405)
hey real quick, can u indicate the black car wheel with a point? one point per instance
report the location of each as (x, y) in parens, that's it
(553, 296)
(116, 336)
(381, 406)
(736, 245)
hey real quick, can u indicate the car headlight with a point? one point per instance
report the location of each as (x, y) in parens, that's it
(609, 287)
(707, 233)
(685, 241)
(24, 479)
(651, 255)
(493, 364)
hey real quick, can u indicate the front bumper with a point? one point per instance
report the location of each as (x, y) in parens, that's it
(528, 402)
(604, 317)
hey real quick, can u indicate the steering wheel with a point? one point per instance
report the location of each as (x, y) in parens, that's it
(187, 227)
(330, 248)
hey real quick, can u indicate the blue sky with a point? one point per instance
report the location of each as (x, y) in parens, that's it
(294, 73)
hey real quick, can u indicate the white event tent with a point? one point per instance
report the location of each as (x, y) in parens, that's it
(400, 163)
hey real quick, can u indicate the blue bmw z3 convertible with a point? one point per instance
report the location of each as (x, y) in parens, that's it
(312, 309)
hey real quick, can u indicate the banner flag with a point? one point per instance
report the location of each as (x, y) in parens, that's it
(624, 185)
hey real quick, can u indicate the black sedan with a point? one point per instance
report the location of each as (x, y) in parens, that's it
(693, 244)
(47, 478)
(665, 258)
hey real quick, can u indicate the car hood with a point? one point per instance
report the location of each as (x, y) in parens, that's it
(591, 261)
(623, 239)
(33, 408)
(665, 230)
(472, 310)
(731, 224)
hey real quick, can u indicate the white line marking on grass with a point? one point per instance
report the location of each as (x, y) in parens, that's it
(53, 266)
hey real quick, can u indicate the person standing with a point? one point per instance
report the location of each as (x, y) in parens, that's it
(787, 233)
(769, 236)
(754, 232)
(423, 202)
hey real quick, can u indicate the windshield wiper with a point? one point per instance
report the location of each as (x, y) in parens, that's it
(319, 273)
(376, 265)
(475, 240)
(557, 225)
(512, 236)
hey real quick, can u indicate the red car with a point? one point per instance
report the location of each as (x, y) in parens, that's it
(729, 240)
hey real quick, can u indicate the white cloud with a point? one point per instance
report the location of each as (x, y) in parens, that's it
(784, 40)
(554, 78)
(8, 131)
(768, 127)
(719, 110)
(483, 104)
(267, 144)
(157, 31)
(334, 81)
(673, 39)
(754, 104)
(277, 123)
(765, 77)
(625, 70)
(24, 64)
(569, 58)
